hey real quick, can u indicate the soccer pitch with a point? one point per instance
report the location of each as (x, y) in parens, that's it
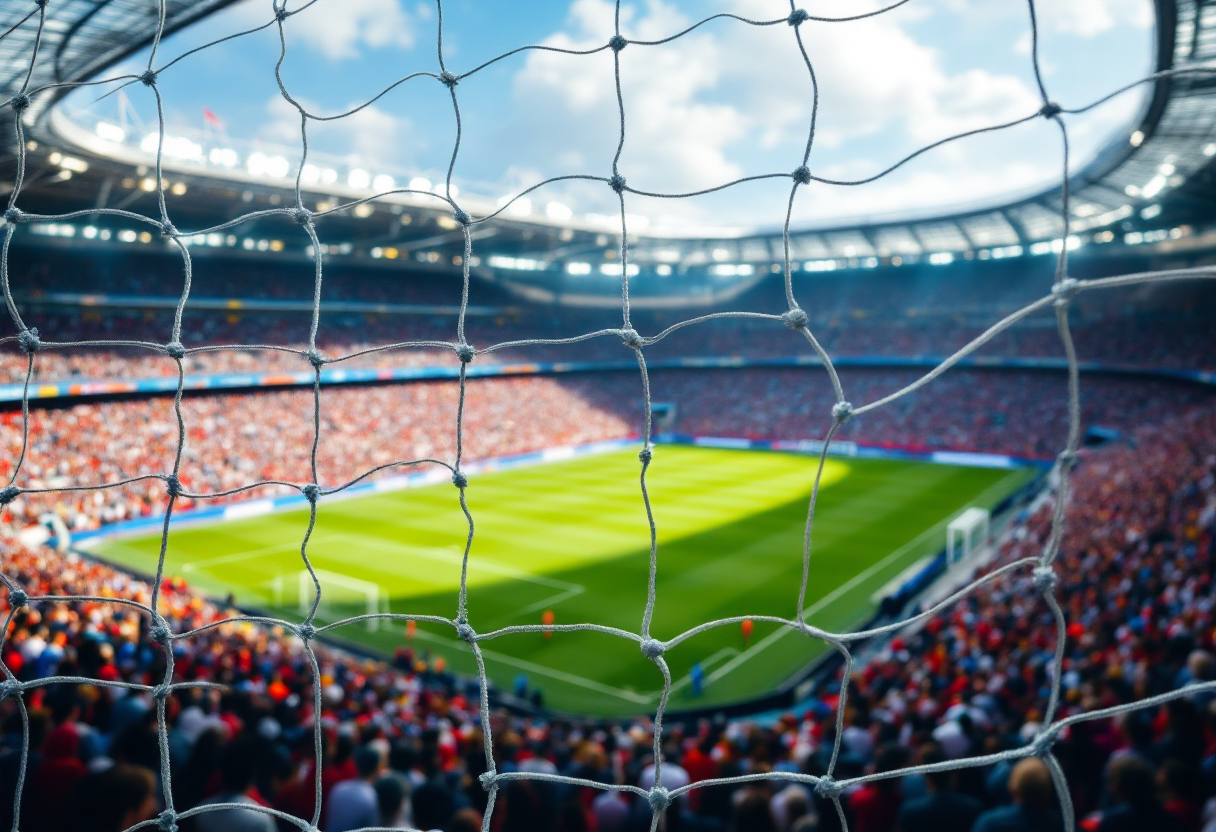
(572, 537)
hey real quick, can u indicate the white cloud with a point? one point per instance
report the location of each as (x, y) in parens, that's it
(675, 139)
(1087, 18)
(341, 29)
(731, 100)
(371, 134)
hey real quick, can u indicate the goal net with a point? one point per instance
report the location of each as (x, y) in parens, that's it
(327, 599)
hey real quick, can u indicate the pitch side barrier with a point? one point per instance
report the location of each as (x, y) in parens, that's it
(333, 376)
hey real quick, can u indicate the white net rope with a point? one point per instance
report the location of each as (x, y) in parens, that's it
(1040, 568)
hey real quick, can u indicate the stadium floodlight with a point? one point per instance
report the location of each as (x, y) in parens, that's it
(310, 174)
(383, 182)
(662, 270)
(262, 164)
(614, 269)
(418, 183)
(1153, 187)
(225, 157)
(732, 270)
(358, 178)
(1209, 149)
(578, 269)
(941, 258)
(111, 132)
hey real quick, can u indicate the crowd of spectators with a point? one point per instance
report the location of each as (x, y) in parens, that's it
(235, 440)
(894, 316)
(401, 741)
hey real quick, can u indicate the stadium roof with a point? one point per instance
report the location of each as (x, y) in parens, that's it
(1159, 168)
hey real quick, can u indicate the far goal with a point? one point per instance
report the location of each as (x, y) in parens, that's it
(967, 534)
(341, 597)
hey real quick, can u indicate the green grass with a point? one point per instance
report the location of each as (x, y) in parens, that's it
(571, 536)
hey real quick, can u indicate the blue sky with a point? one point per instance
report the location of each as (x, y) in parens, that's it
(726, 101)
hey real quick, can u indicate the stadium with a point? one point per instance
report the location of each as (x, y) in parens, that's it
(567, 429)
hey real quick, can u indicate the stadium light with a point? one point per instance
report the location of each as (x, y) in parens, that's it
(1151, 211)
(1209, 149)
(579, 269)
(73, 164)
(941, 258)
(310, 174)
(358, 178)
(111, 132)
(420, 184)
(663, 270)
(732, 270)
(224, 157)
(1153, 187)
(614, 269)
(260, 164)
(384, 182)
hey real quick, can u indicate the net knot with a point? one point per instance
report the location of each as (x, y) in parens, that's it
(20, 103)
(631, 338)
(1068, 459)
(652, 648)
(27, 339)
(160, 634)
(617, 43)
(148, 78)
(617, 183)
(315, 358)
(1041, 745)
(459, 479)
(306, 632)
(301, 215)
(658, 798)
(311, 492)
(488, 779)
(8, 494)
(1065, 289)
(842, 412)
(828, 789)
(10, 687)
(462, 216)
(14, 214)
(167, 229)
(464, 632)
(796, 318)
(175, 349)
(645, 455)
(281, 13)
(802, 175)
(465, 352)
(160, 692)
(797, 17)
(1044, 579)
(448, 79)
(18, 598)
(173, 484)
(166, 821)
(1050, 109)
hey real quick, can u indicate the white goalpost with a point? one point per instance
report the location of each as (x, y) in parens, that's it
(967, 534)
(339, 591)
